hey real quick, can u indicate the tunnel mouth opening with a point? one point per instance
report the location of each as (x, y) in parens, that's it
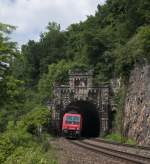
(90, 115)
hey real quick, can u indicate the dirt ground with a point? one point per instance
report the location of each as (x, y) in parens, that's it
(69, 153)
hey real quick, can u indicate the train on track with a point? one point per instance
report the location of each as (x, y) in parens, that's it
(72, 125)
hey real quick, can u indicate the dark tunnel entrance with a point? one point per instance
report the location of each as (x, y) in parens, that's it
(91, 121)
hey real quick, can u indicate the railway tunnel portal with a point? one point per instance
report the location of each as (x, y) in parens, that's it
(90, 117)
(93, 102)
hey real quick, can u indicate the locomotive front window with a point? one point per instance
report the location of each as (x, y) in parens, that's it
(73, 120)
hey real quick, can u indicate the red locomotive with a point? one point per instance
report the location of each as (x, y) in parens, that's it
(72, 125)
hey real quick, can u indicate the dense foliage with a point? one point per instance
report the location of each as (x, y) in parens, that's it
(109, 42)
(24, 123)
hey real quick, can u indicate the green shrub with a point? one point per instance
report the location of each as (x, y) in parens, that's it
(31, 155)
(27, 142)
(136, 50)
(119, 100)
(113, 137)
(20, 147)
(10, 140)
(117, 137)
(36, 121)
(131, 142)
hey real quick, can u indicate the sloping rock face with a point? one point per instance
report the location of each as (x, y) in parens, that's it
(137, 106)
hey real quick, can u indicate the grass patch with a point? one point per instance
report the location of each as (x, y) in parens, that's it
(117, 137)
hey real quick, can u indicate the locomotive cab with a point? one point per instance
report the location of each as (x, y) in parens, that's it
(72, 125)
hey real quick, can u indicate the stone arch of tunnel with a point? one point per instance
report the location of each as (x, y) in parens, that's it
(90, 115)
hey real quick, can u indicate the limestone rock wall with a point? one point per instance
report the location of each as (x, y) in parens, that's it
(137, 105)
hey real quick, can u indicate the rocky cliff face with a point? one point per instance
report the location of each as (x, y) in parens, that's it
(137, 105)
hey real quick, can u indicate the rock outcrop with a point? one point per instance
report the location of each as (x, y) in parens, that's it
(137, 105)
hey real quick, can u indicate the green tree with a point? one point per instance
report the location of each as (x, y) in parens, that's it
(7, 48)
(30, 62)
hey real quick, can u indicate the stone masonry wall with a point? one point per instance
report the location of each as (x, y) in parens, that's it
(137, 105)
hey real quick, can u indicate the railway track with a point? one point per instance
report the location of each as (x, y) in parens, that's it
(129, 154)
(121, 144)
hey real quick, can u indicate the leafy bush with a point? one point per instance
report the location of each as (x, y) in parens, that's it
(18, 144)
(119, 100)
(117, 137)
(19, 147)
(31, 155)
(56, 73)
(10, 140)
(36, 121)
(114, 137)
(136, 50)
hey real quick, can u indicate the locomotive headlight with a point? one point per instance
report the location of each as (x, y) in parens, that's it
(77, 131)
(65, 130)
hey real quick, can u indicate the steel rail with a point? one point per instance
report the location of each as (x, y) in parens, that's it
(113, 153)
(121, 144)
